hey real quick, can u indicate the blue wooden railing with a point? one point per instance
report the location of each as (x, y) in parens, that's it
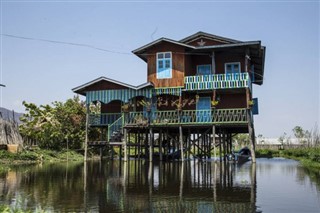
(214, 116)
(103, 119)
(217, 81)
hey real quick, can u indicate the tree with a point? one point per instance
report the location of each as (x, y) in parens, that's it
(300, 134)
(241, 139)
(53, 126)
(282, 138)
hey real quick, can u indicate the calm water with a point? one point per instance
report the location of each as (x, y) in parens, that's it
(272, 185)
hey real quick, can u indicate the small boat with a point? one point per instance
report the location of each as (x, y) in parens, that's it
(175, 155)
(241, 156)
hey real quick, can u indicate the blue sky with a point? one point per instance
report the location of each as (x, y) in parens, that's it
(43, 72)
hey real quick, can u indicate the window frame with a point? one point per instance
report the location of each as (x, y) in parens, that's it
(232, 63)
(164, 64)
(205, 65)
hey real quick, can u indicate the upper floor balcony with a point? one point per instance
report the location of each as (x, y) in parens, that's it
(189, 117)
(217, 81)
(171, 117)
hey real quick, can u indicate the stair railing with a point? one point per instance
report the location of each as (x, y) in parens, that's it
(114, 127)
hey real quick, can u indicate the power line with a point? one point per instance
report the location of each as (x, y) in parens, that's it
(66, 43)
(91, 46)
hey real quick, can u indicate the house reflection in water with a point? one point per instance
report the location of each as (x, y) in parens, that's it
(181, 187)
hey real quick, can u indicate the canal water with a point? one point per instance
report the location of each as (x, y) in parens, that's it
(270, 185)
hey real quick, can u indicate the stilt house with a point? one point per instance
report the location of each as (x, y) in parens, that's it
(198, 94)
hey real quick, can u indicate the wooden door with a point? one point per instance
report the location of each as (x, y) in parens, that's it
(204, 110)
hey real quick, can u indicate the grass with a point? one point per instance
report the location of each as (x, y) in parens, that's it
(17, 208)
(38, 155)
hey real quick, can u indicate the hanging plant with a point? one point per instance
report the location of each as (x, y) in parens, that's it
(146, 104)
(251, 103)
(214, 103)
(197, 98)
(126, 107)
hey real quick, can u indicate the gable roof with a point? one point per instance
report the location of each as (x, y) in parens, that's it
(82, 88)
(141, 49)
(184, 42)
(201, 34)
(139, 52)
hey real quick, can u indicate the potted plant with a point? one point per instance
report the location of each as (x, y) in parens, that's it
(214, 103)
(251, 103)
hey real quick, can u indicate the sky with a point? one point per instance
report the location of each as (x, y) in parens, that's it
(36, 69)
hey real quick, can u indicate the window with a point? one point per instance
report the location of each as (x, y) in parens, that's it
(204, 69)
(232, 68)
(164, 65)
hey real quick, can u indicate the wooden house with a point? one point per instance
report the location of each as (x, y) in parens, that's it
(198, 95)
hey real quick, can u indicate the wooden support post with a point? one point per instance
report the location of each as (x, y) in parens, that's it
(160, 145)
(251, 136)
(220, 144)
(230, 138)
(168, 143)
(87, 133)
(213, 63)
(139, 145)
(146, 141)
(210, 144)
(204, 144)
(125, 144)
(253, 193)
(135, 144)
(181, 142)
(151, 145)
(101, 152)
(181, 181)
(227, 143)
(224, 145)
(214, 142)
(198, 150)
(189, 143)
(194, 144)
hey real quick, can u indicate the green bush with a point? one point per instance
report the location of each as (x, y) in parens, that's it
(27, 156)
(39, 155)
(267, 153)
(6, 155)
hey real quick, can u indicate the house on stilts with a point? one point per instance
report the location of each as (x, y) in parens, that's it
(198, 95)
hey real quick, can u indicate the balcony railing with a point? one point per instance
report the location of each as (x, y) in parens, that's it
(103, 119)
(217, 81)
(217, 116)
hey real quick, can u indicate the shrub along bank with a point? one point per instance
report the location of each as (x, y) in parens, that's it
(309, 157)
(38, 155)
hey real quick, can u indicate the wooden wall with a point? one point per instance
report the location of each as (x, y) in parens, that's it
(191, 62)
(178, 65)
(223, 58)
(232, 101)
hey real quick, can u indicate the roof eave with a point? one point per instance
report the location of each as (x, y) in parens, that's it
(212, 36)
(222, 46)
(79, 89)
(143, 48)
